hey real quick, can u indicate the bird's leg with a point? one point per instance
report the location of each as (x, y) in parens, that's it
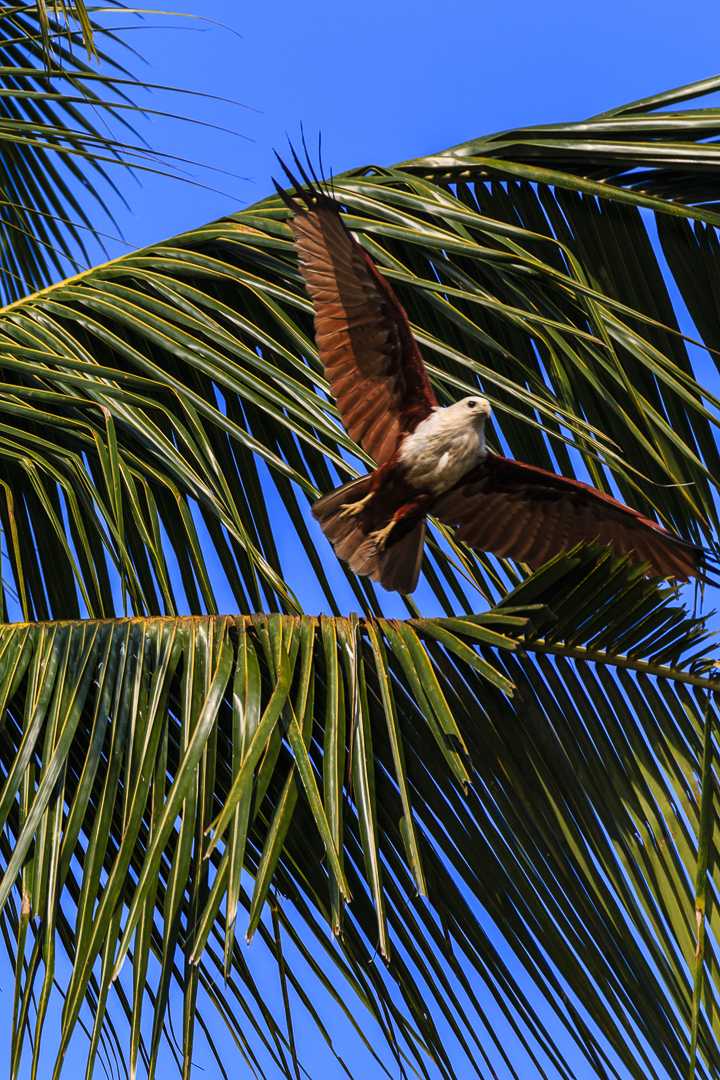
(380, 536)
(351, 509)
(416, 508)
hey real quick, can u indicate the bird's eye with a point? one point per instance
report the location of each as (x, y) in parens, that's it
(472, 404)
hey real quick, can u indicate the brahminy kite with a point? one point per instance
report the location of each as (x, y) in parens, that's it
(433, 459)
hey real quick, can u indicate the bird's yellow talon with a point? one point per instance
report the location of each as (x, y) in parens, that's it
(351, 509)
(380, 537)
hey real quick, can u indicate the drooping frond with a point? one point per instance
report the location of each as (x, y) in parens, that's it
(67, 136)
(75, 12)
(174, 376)
(320, 755)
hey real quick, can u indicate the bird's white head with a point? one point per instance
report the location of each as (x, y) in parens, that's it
(472, 410)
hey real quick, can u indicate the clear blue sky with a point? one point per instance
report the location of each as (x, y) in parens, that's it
(390, 79)
(386, 80)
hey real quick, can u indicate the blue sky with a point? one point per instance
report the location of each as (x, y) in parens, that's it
(385, 81)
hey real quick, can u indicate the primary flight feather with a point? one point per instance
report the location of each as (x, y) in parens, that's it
(433, 459)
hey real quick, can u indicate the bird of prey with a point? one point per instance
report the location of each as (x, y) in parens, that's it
(433, 459)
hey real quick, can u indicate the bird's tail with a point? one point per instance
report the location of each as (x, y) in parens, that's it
(397, 565)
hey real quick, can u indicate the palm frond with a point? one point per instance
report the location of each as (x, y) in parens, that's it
(66, 135)
(300, 749)
(75, 12)
(208, 377)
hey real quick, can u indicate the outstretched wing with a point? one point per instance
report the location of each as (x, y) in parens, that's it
(376, 373)
(529, 514)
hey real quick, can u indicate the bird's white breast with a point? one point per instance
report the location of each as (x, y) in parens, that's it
(442, 448)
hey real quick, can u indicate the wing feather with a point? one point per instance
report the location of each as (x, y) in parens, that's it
(372, 362)
(530, 514)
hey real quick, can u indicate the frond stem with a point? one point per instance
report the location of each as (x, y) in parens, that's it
(618, 660)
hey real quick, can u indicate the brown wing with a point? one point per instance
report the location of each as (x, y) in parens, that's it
(374, 367)
(529, 514)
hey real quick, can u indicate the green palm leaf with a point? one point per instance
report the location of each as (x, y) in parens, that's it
(74, 12)
(208, 368)
(66, 128)
(140, 725)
